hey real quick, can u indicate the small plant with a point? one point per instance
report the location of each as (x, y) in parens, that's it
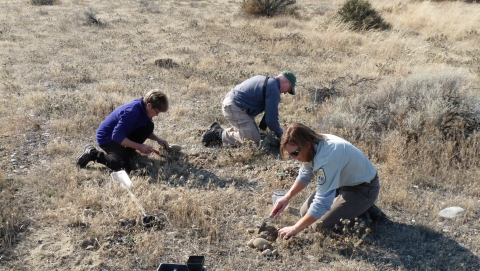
(131, 240)
(50, 192)
(10, 224)
(92, 19)
(268, 7)
(43, 2)
(352, 236)
(362, 16)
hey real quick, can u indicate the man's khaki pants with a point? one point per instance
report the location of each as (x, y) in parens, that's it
(351, 202)
(243, 126)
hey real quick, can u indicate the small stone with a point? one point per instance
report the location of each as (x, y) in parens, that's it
(452, 212)
(267, 252)
(89, 212)
(270, 233)
(175, 147)
(88, 243)
(250, 230)
(89, 248)
(260, 243)
(250, 243)
(275, 252)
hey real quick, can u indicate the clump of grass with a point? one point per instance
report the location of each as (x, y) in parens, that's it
(3, 180)
(43, 2)
(92, 18)
(347, 237)
(269, 7)
(352, 236)
(9, 218)
(248, 153)
(362, 16)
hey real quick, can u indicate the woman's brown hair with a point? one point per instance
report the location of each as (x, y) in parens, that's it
(158, 100)
(302, 136)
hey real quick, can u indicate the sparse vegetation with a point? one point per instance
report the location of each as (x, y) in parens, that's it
(269, 7)
(361, 16)
(92, 18)
(43, 2)
(408, 98)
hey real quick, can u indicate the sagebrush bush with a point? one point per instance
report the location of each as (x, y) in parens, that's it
(269, 7)
(362, 16)
(43, 2)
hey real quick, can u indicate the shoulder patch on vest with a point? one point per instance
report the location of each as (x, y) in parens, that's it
(321, 177)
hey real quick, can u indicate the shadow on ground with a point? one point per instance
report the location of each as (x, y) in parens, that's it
(425, 249)
(176, 169)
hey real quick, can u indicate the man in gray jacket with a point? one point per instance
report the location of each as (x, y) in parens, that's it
(247, 100)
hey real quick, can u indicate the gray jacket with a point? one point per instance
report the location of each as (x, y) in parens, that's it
(248, 95)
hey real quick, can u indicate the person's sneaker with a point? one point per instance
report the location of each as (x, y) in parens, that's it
(86, 156)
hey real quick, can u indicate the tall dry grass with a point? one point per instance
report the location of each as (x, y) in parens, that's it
(408, 98)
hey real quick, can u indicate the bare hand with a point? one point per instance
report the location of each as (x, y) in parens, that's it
(280, 205)
(287, 232)
(145, 149)
(163, 143)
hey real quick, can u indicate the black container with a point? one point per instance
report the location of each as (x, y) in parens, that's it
(195, 263)
(172, 267)
(176, 267)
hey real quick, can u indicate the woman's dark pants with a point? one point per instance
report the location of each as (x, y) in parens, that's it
(351, 202)
(116, 156)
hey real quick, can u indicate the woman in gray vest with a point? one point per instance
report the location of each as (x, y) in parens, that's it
(347, 182)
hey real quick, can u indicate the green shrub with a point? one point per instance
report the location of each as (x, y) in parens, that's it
(269, 7)
(362, 16)
(43, 2)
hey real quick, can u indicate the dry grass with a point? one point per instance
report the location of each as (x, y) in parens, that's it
(408, 97)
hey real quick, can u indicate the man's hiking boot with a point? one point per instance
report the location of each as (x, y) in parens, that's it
(214, 134)
(89, 154)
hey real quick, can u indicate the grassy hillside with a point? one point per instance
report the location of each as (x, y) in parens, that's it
(408, 97)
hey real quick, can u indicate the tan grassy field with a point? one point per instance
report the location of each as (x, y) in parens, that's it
(409, 98)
